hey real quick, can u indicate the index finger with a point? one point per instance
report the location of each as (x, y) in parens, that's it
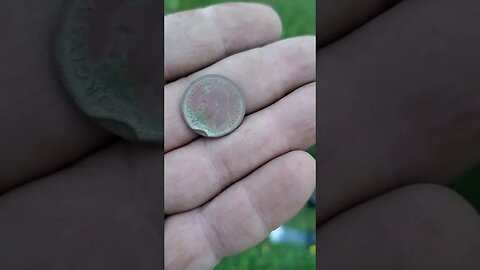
(197, 38)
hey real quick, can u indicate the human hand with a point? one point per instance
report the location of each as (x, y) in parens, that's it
(399, 105)
(225, 195)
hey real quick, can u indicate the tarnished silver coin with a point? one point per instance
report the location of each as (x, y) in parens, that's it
(213, 106)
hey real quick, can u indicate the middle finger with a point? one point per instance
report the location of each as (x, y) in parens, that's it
(265, 75)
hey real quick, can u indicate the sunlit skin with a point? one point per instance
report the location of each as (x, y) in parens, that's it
(208, 220)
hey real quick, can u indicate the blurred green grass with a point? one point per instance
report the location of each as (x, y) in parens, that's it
(469, 187)
(298, 18)
(269, 256)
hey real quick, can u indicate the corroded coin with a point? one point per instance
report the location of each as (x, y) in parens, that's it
(213, 106)
(110, 59)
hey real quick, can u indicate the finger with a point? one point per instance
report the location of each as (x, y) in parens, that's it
(40, 130)
(197, 172)
(241, 216)
(264, 75)
(416, 227)
(398, 120)
(337, 18)
(194, 39)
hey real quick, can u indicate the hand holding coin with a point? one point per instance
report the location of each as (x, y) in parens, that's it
(230, 184)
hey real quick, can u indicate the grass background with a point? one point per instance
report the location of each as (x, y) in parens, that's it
(469, 187)
(298, 18)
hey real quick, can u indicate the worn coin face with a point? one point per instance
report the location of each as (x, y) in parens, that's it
(213, 106)
(110, 60)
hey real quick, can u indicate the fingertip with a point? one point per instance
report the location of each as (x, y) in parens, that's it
(282, 186)
(273, 19)
(246, 25)
(197, 38)
(265, 14)
(303, 166)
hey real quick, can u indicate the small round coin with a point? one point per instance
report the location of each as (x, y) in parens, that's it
(213, 106)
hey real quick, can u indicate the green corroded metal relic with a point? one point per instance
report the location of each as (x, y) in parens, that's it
(213, 106)
(110, 59)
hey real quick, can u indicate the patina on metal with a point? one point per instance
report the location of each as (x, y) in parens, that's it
(213, 106)
(110, 59)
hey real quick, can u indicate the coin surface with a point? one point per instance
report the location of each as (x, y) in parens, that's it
(110, 60)
(213, 106)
